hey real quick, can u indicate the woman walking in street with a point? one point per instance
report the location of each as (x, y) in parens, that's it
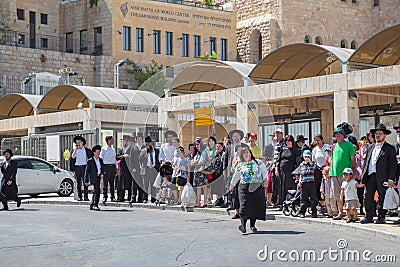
(253, 176)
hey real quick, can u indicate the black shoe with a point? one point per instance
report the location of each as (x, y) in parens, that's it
(236, 216)
(113, 199)
(302, 215)
(362, 212)
(145, 201)
(380, 221)
(365, 221)
(133, 200)
(4, 208)
(91, 207)
(18, 203)
(104, 200)
(314, 216)
(153, 200)
(242, 229)
(253, 229)
(219, 202)
(80, 199)
(396, 222)
(96, 208)
(86, 199)
(225, 205)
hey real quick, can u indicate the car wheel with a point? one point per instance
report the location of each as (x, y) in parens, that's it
(66, 188)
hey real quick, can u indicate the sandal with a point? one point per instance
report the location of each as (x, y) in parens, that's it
(337, 218)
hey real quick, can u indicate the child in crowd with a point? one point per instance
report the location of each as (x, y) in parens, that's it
(181, 167)
(349, 192)
(326, 193)
(167, 187)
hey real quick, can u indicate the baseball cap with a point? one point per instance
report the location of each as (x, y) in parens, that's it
(279, 130)
(307, 153)
(348, 170)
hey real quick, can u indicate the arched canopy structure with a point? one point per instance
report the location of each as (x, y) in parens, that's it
(211, 75)
(298, 61)
(18, 105)
(68, 97)
(382, 49)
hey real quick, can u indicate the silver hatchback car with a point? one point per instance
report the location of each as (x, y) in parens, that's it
(36, 176)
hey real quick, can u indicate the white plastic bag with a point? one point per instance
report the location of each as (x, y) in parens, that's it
(188, 195)
(391, 201)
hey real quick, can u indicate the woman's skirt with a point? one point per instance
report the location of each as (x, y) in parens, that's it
(252, 201)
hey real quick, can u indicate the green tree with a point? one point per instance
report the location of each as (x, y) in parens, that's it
(209, 2)
(208, 56)
(148, 77)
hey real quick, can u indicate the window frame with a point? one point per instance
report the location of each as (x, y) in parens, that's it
(139, 40)
(224, 49)
(169, 43)
(156, 42)
(185, 45)
(197, 46)
(126, 38)
(20, 14)
(43, 18)
(213, 44)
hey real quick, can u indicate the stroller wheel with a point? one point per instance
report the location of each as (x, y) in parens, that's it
(295, 211)
(285, 210)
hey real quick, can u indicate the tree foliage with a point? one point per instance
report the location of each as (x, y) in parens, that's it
(208, 56)
(148, 77)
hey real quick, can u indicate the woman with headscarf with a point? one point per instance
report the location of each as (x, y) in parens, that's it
(252, 175)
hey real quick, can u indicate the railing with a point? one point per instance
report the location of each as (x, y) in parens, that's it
(193, 3)
(50, 43)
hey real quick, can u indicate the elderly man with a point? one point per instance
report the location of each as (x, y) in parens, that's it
(379, 167)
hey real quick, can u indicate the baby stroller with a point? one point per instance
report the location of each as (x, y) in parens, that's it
(164, 193)
(291, 206)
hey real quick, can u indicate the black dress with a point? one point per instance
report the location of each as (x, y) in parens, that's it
(288, 161)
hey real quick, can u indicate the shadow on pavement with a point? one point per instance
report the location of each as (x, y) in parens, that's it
(277, 233)
(118, 210)
(23, 209)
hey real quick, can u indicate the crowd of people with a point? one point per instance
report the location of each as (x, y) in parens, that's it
(349, 174)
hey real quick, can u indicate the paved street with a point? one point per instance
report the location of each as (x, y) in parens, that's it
(52, 235)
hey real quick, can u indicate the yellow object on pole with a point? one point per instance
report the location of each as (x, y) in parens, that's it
(203, 113)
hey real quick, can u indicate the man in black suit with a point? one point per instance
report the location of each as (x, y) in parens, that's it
(149, 168)
(93, 174)
(9, 188)
(379, 167)
(78, 164)
(135, 169)
(397, 128)
(125, 176)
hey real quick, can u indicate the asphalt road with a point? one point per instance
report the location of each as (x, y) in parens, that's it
(44, 235)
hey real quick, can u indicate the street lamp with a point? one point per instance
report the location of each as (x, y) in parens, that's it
(116, 72)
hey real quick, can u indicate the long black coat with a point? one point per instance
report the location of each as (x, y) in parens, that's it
(125, 176)
(9, 174)
(91, 171)
(398, 164)
(134, 162)
(385, 165)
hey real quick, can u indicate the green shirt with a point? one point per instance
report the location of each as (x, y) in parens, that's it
(341, 158)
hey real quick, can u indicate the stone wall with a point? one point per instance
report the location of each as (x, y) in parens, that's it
(94, 71)
(7, 13)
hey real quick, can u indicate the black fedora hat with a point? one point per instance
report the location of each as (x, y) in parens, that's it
(300, 137)
(148, 139)
(236, 131)
(170, 132)
(8, 151)
(76, 138)
(380, 127)
(396, 127)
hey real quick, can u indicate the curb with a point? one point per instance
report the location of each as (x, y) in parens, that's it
(218, 211)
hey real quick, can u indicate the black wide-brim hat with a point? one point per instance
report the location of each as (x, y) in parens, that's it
(380, 127)
(148, 139)
(300, 137)
(396, 127)
(170, 132)
(76, 138)
(236, 131)
(8, 151)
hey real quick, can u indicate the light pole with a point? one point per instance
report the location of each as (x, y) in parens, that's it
(116, 72)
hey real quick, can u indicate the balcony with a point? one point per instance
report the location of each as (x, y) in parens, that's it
(50, 43)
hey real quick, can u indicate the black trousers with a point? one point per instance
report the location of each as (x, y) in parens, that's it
(135, 187)
(108, 179)
(318, 180)
(96, 193)
(371, 186)
(308, 197)
(8, 192)
(79, 176)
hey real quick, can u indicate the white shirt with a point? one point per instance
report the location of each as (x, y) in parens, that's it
(374, 159)
(98, 165)
(81, 158)
(153, 155)
(319, 154)
(350, 189)
(166, 153)
(108, 155)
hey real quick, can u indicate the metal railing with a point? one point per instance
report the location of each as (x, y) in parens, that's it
(194, 3)
(51, 43)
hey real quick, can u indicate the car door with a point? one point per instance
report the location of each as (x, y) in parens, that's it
(45, 179)
(25, 177)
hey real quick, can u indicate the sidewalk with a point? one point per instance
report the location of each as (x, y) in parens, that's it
(387, 231)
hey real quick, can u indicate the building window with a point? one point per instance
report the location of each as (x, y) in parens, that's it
(21, 38)
(318, 40)
(376, 2)
(307, 39)
(354, 1)
(213, 44)
(43, 18)
(69, 42)
(169, 42)
(83, 41)
(20, 14)
(157, 42)
(44, 42)
(197, 46)
(353, 45)
(343, 43)
(126, 38)
(185, 45)
(224, 51)
(98, 41)
(139, 40)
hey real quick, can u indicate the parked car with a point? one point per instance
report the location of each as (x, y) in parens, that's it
(36, 176)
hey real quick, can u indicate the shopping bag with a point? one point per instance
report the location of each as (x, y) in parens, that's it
(188, 195)
(391, 201)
